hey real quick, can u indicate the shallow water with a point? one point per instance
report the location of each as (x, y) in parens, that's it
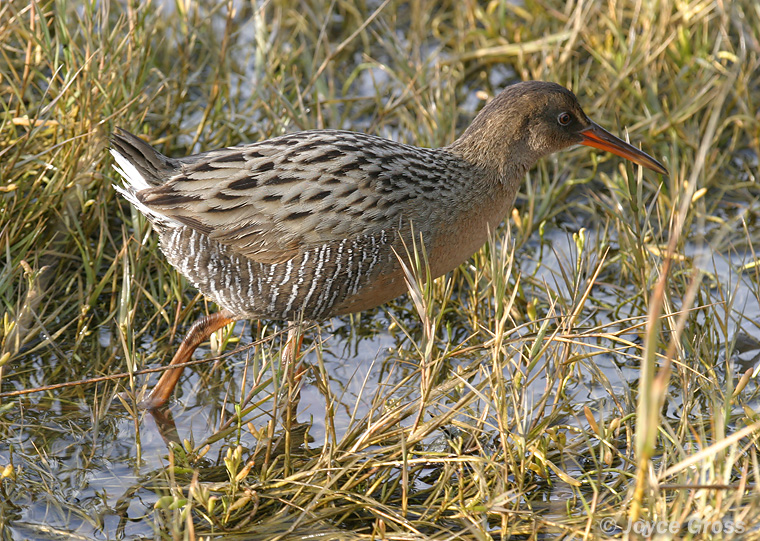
(82, 467)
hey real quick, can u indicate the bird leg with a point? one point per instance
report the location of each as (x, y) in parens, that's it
(199, 332)
(293, 375)
(292, 344)
(289, 358)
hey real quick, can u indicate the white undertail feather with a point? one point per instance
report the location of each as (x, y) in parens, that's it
(129, 172)
(134, 183)
(129, 195)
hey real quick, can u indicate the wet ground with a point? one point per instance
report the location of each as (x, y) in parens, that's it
(85, 469)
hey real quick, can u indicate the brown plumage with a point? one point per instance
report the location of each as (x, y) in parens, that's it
(306, 224)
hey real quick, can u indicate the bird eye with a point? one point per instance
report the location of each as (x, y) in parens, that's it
(564, 119)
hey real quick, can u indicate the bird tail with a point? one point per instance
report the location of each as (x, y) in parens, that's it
(142, 167)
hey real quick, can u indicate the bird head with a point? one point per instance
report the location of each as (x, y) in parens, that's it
(530, 120)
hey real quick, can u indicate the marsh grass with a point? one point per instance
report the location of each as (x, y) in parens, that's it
(592, 365)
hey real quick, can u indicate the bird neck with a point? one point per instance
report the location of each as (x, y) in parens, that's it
(499, 162)
(500, 139)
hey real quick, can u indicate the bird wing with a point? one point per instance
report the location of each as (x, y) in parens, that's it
(270, 200)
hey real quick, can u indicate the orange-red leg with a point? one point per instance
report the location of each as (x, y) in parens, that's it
(292, 344)
(290, 354)
(199, 332)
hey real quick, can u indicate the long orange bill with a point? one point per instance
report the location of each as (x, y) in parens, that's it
(597, 137)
